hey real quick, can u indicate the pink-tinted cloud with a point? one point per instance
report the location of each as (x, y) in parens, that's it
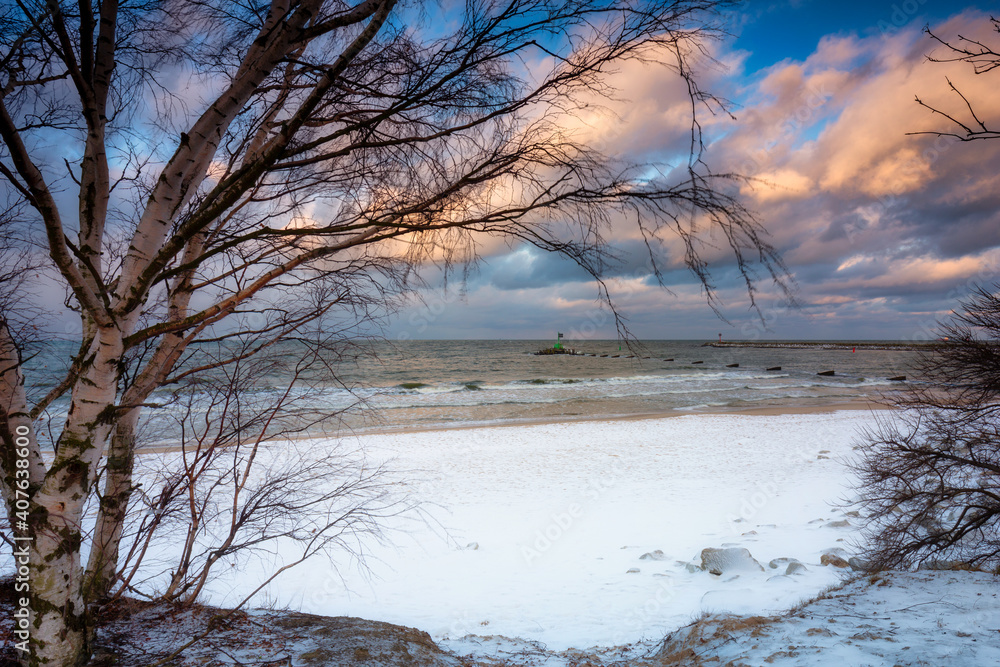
(882, 229)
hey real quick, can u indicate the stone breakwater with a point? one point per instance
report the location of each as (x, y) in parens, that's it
(817, 345)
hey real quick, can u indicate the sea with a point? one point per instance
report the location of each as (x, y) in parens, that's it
(430, 384)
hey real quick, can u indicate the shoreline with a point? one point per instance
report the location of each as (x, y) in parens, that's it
(854, 405)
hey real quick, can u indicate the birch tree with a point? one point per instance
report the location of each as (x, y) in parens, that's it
(182, 165)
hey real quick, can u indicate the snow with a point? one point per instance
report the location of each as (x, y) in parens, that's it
(535, 539)
(561, 514)
(939, 619)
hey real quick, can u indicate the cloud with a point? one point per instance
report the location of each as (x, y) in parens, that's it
(896, 211)
(883, 230)
(530, 268)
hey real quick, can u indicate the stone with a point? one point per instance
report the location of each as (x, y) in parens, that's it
(729, 561)
(833, 559)
(843, 523)
(779, 563)
(632, 570)
(944, 565)
(795, 568)
(653, 555)
(859, 565)
(689, 566)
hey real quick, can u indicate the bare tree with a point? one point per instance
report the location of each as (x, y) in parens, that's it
(243, 481)
(206, 169)
(930, 475)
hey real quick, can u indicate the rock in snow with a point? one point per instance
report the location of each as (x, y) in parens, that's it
(725, 561)
(859, 565)
(688, 566)
(832, 559)
(943, 565)
(796, 567)
(778, 563)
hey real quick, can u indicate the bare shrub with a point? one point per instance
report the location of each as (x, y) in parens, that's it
(930, 474)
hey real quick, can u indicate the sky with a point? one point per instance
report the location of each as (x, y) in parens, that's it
(883, 233)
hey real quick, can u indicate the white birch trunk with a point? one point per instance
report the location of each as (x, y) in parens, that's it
(60, 632)
(102, 566)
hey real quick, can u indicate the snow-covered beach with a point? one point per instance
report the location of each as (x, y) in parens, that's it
(584, 534)
(566, 543)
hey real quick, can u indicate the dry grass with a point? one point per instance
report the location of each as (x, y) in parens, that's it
(696, 645)
(825, 594)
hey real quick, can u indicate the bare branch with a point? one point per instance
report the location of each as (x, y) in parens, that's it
(983, 59)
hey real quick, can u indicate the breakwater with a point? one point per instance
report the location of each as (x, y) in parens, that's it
(820, 345)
